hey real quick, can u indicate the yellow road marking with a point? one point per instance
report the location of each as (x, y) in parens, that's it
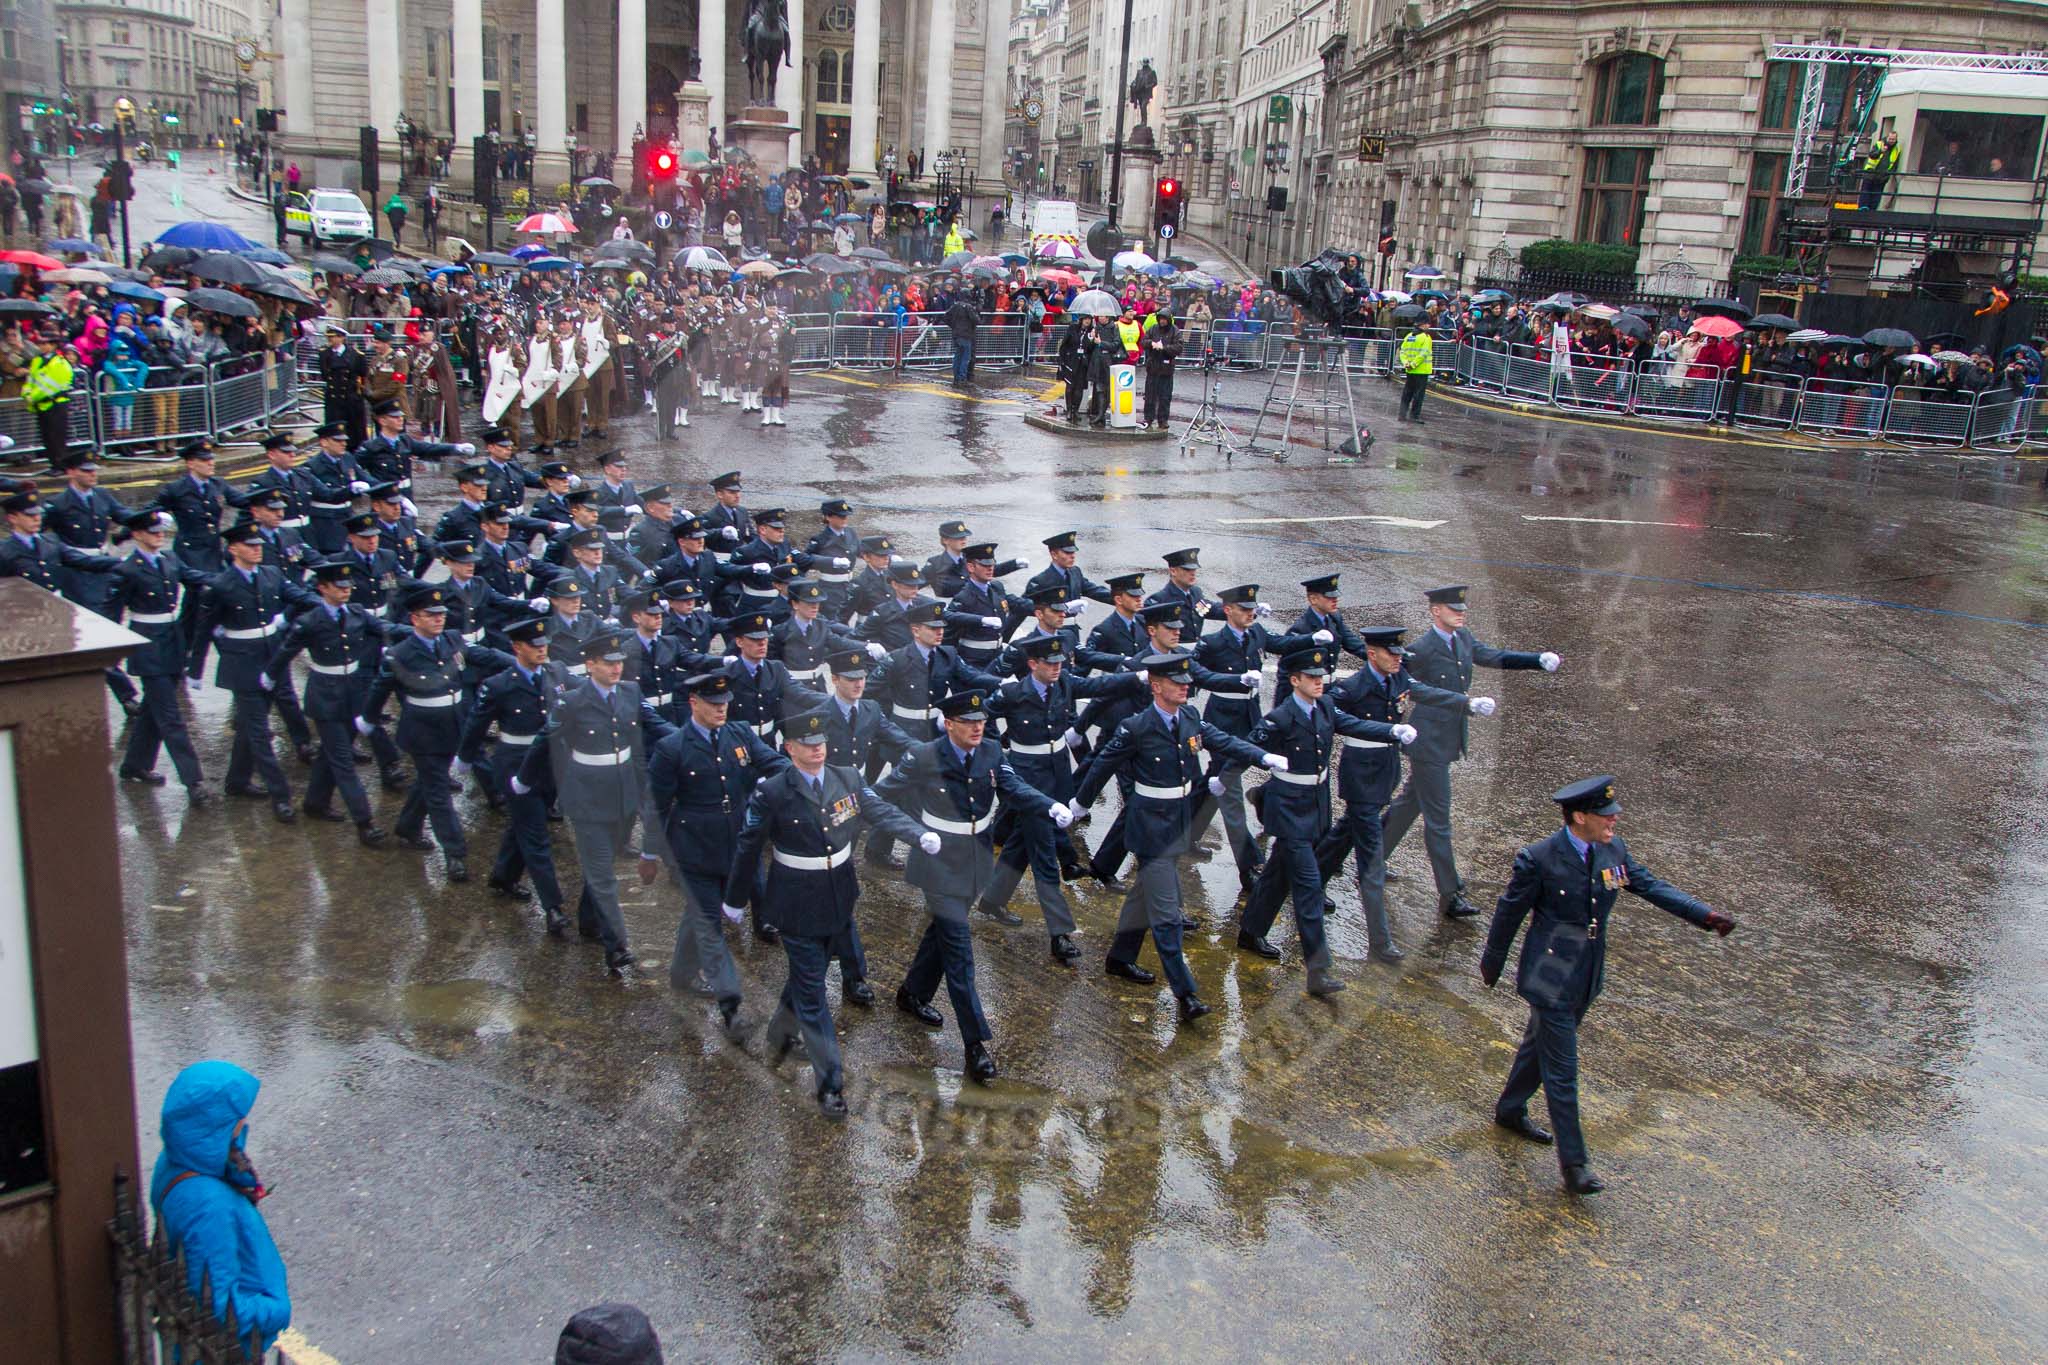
(301, 1351)
(932, 389)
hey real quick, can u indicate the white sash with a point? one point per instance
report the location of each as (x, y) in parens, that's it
(503, 388)
(540, 375)
(596, 350)
(570, 371)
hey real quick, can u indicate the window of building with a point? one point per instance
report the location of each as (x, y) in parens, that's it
(512, 62)
(1616, 190)
(118, 32)
(1627, 89)
(1983, 146)
(1782, 84)
(490, 52)
(1761, 210)
(433, 55)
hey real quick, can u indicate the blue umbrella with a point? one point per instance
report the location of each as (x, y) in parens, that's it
(448, 270)
(549, 263)
(1158, 270)
(71, 245)
(129, 289)
(531, 250)
(1424, 272)
(268, 255)
(202, 236)
(1015, 258)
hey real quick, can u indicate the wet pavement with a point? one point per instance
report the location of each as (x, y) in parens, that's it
(1815, 673)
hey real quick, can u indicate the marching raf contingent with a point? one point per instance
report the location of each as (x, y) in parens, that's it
(692, 693)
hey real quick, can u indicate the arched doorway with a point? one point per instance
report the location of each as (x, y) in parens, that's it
(662, 83)
(831, 102)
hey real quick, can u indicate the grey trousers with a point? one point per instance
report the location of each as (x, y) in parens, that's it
(598, 845)
(701, 953)
(1426, 792)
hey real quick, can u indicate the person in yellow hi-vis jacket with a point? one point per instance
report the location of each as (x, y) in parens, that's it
(1417, 356)
(47, 393)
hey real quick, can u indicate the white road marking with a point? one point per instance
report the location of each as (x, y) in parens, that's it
(1681, 525)
(1406, 523)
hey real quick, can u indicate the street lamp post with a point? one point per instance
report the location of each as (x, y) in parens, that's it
(1116, 150)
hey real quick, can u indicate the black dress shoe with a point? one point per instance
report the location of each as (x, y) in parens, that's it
(859, 993)
(1253, 943)
(1581, 1180)
(198, 796)
(889, 862)
(784, 1045)
(419, 843)
(923, 1013)
(1064, 949)
(358, 756)
(1523, 1126)
(1322, 984)
(458, 870)
(327, 813)
(619, 965)
(1109, 884)
(1389, 955)
(1189, 922)
(511, 891)
(729, 1020)
(1192, 1008)
(308, 754)
(980, 1065)
(284, 812)
(370, 834)
(246, 793)
(556, 922)
(1001, 914)
(394, 780)
(1391, 876)
(589, 933)
(1459, 908)
(1129, 971)
(130, 707)
(767, 933)
(832, 1104)
(143, 779)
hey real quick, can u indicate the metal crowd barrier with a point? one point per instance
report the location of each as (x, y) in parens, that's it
(171, 408)
(1769, 399)
(1593, 382)
(1691, 393)
(1841, 407)
(18, 422)
(1923, 416)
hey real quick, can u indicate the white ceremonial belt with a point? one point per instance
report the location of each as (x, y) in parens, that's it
(1163, 793)
(969, 827)
(1232, 693)
(1357, 743)
(292, 523)
(253, 633)
(811, 862)
(660, 698)
(445, 699)
(470, 637)
(808, 674)
(1036, 750)
(520, 740)
(722, 556)
(762, 727)
(617, 759)
(1314, 779)
(757, 592)
(330, 507)
(846, 577)
(151, 618)
(580, 670)
(911, 712)
(335, 670)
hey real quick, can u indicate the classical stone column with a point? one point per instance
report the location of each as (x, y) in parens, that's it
(551, 92)
(297, 17)
(466, 63)
(632, 102)
(867, 80)
(387, 74)
(789, 81)
(712, 58)
(938, 79)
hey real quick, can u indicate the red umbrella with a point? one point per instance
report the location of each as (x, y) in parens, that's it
(1060, 277)
(1714, 326)
(35, 260)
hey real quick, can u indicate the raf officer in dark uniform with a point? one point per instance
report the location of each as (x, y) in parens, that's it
(1182, 569)
(1323, 621)
(146, 586)
(1444, 656)
(1295, 808)
(806, 819)
(198, 503)
(337, 482)
(388, 456)
(869, 586)
(1566, 886)
(343, 645)
(834, 541)
(245, 610)
(517, 701)
(945, 571)
(949, 786)
(1065, 571)
(425, 669)
(884, 621)
(343, 370)
(727, 525)
(981, 615)
(699, 779)
(83, 515)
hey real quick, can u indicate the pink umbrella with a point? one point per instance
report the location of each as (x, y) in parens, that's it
(1717, 327)
(545, 223)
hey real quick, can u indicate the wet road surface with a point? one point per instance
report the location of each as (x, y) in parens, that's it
(1816, 674)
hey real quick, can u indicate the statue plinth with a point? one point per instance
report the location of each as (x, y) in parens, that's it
(1141, 136)
(693, 117)
(764, 134)
(1141, 172)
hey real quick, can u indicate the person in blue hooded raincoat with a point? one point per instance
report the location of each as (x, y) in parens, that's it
(205, 1193)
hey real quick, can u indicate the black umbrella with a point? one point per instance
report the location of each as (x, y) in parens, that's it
(497, 259)
(1773, 322)
(1727, 308)
(26, 308)
(283, 289)
(170, 258)
(221, 301)
(1409, 312)
(639, 251)
(1838, 342)
(384, 275)
(224, 267)
(596, 182)
(1643, 310)
(1889, 336)
(333, 264)
(1633, 325)
(871, 253)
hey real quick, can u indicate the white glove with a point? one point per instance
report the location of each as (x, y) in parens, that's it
(1072, 738)
(1260, 611)
(1405, 733)
(1249, 678)
(575, 481)
(733, 913)
(464, 448)
(1323, 637)
(263, 681)
(1074, 608)
(1062, 815)
(1277, 762)
(929, 842)
(876, 650)
(1482, 706)
(519, 788)
(991, 623)
(363, 727)
(724, 532)
(1549, 661)
(1215, 786)
(220, 632)
(6, 443)
(409, 507)
(632, 509)
(358, 487)
(841, 562)
(461, 768)
(538, 605)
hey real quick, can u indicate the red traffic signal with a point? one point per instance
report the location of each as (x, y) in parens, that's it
(1166, 206)
(1168, 187)
(662, 164)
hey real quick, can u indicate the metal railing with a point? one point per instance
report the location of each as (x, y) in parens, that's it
(218, 400)
(160, 1320)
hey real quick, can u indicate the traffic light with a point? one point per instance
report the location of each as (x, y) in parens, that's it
(120, 182)
(483, 159)
(663, 165)
(366, 145)
(1387, 244)
(1167, 203)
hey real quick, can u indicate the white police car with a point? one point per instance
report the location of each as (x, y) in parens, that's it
(327, 216)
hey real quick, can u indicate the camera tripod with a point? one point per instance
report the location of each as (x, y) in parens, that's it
(1318, 379)
(1206, 427)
